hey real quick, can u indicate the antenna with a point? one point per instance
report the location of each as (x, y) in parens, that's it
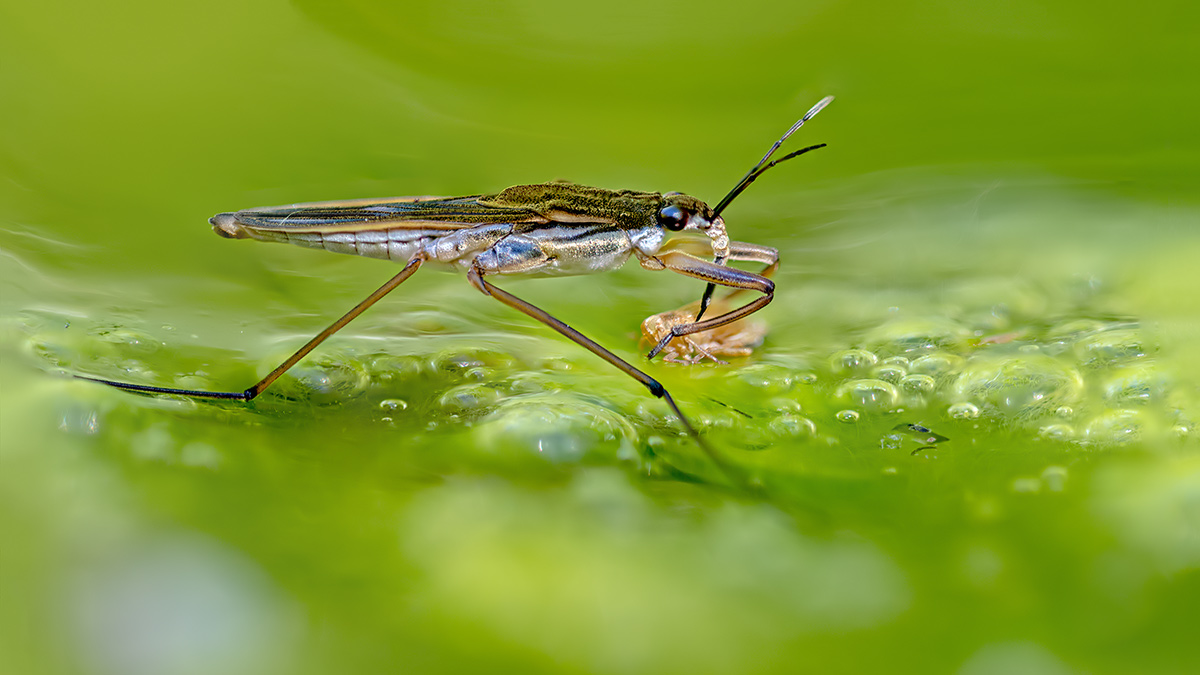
(753, 174)
(759, 168)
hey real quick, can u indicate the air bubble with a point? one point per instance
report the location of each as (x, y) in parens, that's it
(531, 383)
(847, 416)
(937, 363)
(557, 429)
(479, 374)
(918, 384)
(328, 381)
(785, 405)
(1135, 385)
(1116, 426)
(1071, 330)
(469, 397)
(889, 373)
(391, 405)
(853, 360)
(1020, 386)
(793, 426)
(130, 340)
(465, 360)
(1057, 432)
(770, 378)
(963, 411)
(873, 395)
(1110, 347)
(916, 336)
(386, 368)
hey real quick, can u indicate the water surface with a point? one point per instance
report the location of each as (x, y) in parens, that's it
(998, 246)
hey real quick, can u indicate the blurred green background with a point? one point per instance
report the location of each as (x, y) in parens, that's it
(999, 244)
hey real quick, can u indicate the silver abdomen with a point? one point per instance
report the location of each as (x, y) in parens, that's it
(543, 249)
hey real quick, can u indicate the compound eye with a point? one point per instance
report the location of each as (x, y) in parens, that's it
(672, 217)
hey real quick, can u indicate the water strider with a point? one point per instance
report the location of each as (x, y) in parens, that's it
(547, 229)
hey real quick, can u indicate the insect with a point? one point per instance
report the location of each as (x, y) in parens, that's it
(735, 339)
(545, 229)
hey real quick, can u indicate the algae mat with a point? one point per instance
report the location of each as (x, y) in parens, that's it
(997, 248)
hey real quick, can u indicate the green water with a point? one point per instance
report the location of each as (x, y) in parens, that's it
(999, 244)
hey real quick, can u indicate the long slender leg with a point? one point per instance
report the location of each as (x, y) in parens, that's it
(678, 261)
(252, 392)
(475, 276)
(738, 250)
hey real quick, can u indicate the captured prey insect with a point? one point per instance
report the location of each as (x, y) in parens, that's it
(735, 339)
(545, 229)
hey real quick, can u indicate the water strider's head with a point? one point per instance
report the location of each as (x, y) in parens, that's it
(682, 212)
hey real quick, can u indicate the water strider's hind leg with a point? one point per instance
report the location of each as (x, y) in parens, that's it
(258, 388)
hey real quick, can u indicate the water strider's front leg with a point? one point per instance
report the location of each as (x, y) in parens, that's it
(739, 251)
(679, 261)
(729, 340)
(475, 276)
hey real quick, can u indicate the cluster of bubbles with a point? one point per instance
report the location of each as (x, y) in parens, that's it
(1088, 382)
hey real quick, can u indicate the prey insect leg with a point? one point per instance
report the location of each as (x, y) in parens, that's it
(254, 391)
(736, 339)
(475, 276)
(678, 261)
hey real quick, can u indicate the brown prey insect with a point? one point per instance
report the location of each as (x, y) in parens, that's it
(546, 229)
